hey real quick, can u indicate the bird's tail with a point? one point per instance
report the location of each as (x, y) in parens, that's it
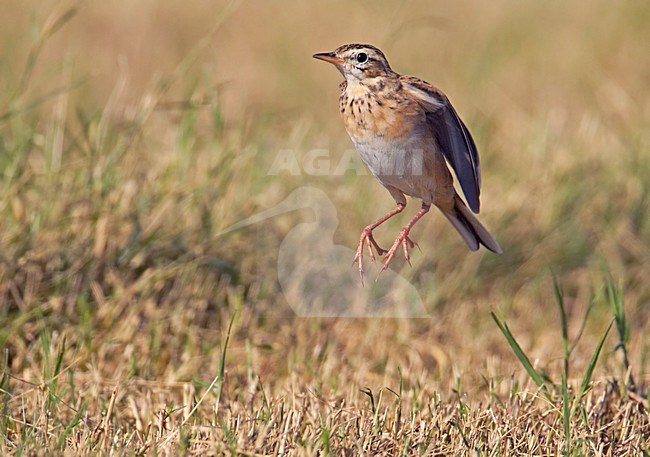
(469, 227)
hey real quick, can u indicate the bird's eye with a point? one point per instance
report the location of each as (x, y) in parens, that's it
(362, 57)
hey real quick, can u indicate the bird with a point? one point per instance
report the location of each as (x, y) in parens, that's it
(317, 285)
(406, 132)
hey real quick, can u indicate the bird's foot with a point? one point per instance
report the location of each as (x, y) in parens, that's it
(406, 243)
(366, 240)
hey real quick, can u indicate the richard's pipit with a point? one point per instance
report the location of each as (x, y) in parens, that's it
(404, 129)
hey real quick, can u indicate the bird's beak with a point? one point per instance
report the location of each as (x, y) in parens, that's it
(329, 57)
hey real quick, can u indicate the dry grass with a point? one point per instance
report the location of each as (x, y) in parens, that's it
(132, 134)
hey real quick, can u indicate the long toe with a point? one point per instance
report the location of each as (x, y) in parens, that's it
(379, 250)
(405, 246)
(390, 254)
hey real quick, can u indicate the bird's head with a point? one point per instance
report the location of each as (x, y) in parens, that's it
(358, 61)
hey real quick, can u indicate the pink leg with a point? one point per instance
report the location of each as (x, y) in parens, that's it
(369, 240)
(403, 238)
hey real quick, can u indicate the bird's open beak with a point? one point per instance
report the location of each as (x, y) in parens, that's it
(329, 57)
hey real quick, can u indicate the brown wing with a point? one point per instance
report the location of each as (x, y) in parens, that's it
(456, 143)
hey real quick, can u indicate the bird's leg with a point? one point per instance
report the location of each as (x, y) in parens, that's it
(368, 240)
(403, 237)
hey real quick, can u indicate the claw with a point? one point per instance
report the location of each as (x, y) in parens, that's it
(358, 258)
(369, 240)
(406, 243)
(366, 240)
(404, 240)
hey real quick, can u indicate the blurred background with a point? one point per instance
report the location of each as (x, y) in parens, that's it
(133, 133)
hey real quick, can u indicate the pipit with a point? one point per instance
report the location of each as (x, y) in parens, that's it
(406, 131)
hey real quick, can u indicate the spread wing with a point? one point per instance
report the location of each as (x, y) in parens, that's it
(455, 141)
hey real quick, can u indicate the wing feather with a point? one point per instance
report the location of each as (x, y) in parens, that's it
(454, 139)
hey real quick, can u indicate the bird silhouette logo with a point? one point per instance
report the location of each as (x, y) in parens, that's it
(316, 276)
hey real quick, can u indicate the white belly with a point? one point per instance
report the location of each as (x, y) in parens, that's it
(402, 164)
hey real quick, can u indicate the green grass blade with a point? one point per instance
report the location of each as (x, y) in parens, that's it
(592, 364)
(592, 302)
(615, 298)
(614, 295)
(61, 441)
(222, 363)
(559, 298)
(521, 355)
(566, 412)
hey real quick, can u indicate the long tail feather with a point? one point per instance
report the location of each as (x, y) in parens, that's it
(469, 227)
